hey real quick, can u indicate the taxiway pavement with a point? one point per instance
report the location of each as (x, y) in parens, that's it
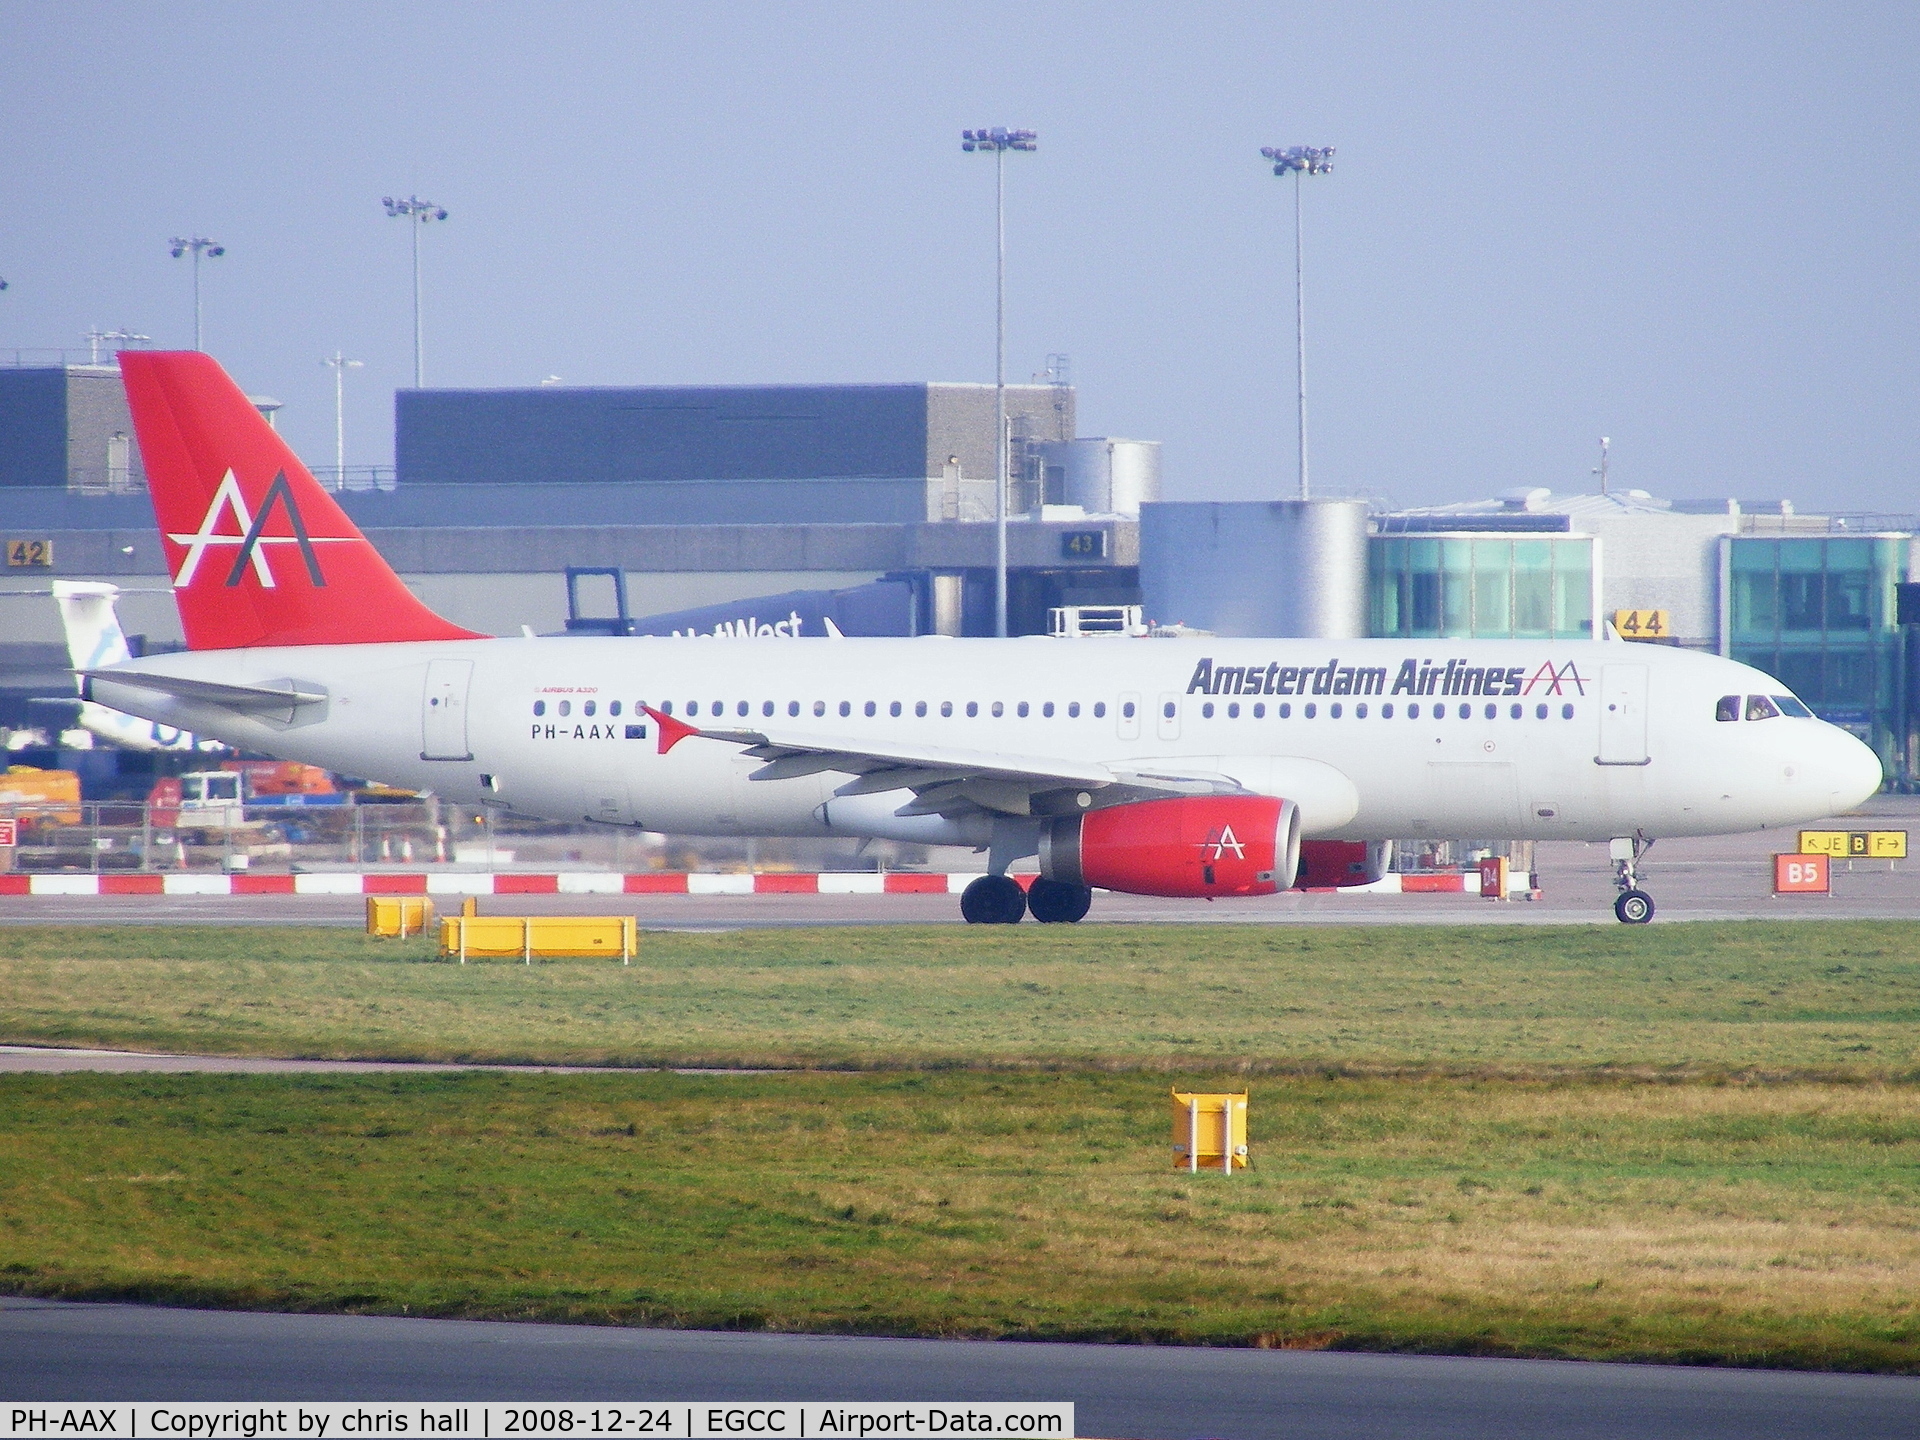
(62, 1351)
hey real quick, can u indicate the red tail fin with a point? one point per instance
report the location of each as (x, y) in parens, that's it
(259, 553)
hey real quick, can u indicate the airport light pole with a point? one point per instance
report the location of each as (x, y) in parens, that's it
(1299, 160)
(997, 142)
(340, 365)
(198, 245)
(416, 212)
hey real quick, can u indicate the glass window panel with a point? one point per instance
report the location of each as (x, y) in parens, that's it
(1492, 588)
(1802, 556)
(1572, 588)
(1456, 587)
(1803, 600)
(1756, 602)
(1532, 589)
(1849, 600)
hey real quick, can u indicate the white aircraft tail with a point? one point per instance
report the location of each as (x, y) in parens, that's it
(94, 636)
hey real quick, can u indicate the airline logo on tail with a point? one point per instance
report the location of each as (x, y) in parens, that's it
(249, 534)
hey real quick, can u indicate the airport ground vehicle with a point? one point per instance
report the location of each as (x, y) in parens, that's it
(1194, 767)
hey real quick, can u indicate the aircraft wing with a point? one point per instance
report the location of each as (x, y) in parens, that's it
(947, 780)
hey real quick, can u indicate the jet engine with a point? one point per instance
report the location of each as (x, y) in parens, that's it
(1331, 864)
(1187, 846)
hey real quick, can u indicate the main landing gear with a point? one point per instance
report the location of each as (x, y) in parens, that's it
(1634, 906)
(999, 900)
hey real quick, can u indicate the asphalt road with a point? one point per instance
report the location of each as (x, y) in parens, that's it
(1712, 879)
(56, 1351)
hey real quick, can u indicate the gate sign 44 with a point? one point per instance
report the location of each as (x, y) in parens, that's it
(1642, 624)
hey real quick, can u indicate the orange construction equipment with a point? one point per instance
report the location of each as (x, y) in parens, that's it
(48, 797)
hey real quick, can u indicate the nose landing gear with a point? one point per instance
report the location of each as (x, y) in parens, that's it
(1634, 905)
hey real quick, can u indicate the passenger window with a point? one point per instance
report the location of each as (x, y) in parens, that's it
(1759, 707)
(1566, 712)
(793, 707)
(998, 709)
(1167, 709)
(1386, 712)
(1790, 706)
(1493, 712)
(1360, 712)
(870, 707)
(894, 709)
(1259, 711)
(1727, 708)
(846, 708)
(1413, 712)
(1515, 712)
(1206, 710)
(1126, 710)
(741, 709)
(819, 707)
(614, 708)
(946, 709)
(1311, 710)
(1100, 710)
(766, 707)
(566, 707)
(1539, 712)
(1073, 709)
(1046, 710)
(587, 709)
(719, 707)
(1284, 711)
(666, 707)
(1021, 710)
(919, 707)
(539, 707)
(973, 709)
(1233, 711)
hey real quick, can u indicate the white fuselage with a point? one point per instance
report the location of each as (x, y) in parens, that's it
(1374, 739)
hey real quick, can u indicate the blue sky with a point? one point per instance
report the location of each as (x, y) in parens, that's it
(1693, 228)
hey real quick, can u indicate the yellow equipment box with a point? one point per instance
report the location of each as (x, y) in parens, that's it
(538, 937)
(1209, 1132)
(396, 916)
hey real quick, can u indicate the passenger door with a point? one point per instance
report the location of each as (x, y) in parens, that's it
(443, 710)
(1166, 715)
(1623, 715)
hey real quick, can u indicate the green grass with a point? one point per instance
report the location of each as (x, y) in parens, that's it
(1814, 999)
(1735, 1223)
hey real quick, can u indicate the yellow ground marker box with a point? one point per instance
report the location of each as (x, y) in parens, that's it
(397, 916)
(538, 937)
(1209, 1132)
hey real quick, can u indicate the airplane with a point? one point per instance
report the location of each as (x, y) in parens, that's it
(94, 638)
(1194, 767)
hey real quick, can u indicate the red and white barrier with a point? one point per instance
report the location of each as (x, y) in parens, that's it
(864, 882)
(588, 882)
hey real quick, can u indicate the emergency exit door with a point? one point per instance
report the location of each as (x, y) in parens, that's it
(1623, 715)
(443, 710)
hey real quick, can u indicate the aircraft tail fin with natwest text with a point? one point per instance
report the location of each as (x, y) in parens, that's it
(258, 552)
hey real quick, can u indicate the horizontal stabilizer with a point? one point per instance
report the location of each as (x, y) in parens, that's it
(273, 695)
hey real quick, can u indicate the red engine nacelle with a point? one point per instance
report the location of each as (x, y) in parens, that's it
(1189, 846)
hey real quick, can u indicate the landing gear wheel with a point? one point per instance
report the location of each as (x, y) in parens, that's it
(1634, 907)
(1054, 902)
(993, 900)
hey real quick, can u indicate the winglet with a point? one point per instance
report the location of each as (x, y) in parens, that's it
(672, 731)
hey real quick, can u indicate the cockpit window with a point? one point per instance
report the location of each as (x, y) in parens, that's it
(1728, 708)
(1790, 706)
(1759, 707)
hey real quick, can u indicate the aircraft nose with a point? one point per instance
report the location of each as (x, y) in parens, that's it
(1853, 770)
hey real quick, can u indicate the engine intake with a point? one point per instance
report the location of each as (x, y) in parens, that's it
(1187, 846)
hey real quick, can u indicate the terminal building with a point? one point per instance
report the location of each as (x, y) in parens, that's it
(730, 509)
